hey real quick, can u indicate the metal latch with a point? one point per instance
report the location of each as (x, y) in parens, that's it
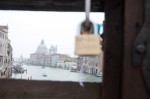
(141, 49)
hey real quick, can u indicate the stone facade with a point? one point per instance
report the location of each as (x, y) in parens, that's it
(91, 64)
(5, 53)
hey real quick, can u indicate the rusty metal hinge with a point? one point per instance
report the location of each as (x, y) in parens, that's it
(141, 49)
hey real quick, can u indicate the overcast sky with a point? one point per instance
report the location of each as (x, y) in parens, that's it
(27, 29)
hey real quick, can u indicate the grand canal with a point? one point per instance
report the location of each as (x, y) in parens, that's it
(54, 74)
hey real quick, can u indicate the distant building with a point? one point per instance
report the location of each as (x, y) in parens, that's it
(5, 53)
(90, 64)
(33, 59)
(48, 60)
(59, 58)
(42, 48)
(45, 57)
(39, 57)
(53, 50)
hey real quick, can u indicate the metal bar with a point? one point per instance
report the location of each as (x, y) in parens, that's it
(87, 9)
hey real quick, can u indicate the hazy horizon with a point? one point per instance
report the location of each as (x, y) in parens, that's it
(26, 29)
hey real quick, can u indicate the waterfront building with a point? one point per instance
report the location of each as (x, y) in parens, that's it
(39, 57)
(5, 53)
(48, 60)
(91, 65)
(42, 48)
(51, 58)
(59, 59)
(42, 56)
(53, 50)
(33, 59)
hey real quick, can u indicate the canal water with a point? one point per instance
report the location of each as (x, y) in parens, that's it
(54, 74)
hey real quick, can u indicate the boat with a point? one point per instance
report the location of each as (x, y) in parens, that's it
(99, 74)
(44, 75)
(18, 69)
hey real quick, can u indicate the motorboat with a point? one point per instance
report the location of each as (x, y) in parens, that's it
(44, 75)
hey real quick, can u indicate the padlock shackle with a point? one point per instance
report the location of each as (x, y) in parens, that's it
(87, 28)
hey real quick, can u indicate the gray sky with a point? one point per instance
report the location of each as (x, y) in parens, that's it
(27, 29)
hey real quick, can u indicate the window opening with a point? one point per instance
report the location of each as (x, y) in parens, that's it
(42, 46)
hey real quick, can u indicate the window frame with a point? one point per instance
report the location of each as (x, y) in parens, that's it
(24, 89)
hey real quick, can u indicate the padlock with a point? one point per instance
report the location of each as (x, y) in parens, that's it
(87, 43)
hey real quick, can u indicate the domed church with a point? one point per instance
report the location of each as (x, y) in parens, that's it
(40, 55)
(42, 48)
(47, 57)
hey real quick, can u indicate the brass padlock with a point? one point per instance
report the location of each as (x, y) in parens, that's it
(87, 44)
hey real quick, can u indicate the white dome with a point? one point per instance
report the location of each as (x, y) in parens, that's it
(42, 48)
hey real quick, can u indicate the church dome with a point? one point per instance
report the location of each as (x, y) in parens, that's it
(42, 48)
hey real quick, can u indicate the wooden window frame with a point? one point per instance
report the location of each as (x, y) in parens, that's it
(27, 89)
(121, 80)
